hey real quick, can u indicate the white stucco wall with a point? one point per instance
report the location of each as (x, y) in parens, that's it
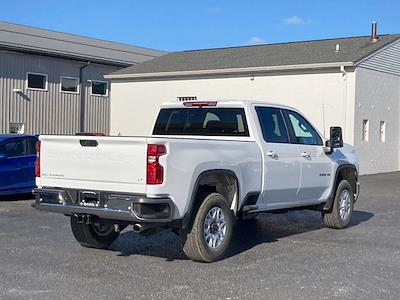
(377, 99)
(327, 98)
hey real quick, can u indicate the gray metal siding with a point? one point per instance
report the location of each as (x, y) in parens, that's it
(97, 108)
(387, 60)
(51, 111)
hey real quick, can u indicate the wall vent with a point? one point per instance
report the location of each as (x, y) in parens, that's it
(187, 98)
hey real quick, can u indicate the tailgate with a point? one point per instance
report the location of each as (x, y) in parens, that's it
(94, 163)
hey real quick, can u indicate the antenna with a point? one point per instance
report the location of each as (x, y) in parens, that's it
(323, 118)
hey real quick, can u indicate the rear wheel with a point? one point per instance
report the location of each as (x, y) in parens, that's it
(95, 235)
(342, 208)
(210, 235)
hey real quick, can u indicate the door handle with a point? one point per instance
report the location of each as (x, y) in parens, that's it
(306, 155)
(272, 154)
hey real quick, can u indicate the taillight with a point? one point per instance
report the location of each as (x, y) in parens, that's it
(155, 171)
(37, 162)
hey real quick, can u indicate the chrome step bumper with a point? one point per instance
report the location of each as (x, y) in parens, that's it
(105, 205)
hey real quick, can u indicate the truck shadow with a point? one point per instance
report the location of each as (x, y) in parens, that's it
(165, 244)
(266, 228)
(17, 197)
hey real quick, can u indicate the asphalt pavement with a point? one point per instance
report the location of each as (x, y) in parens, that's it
(285, 256)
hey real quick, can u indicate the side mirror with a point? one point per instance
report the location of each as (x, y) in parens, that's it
(336, 139)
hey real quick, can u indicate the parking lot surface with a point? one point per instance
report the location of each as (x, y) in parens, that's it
(285, 256)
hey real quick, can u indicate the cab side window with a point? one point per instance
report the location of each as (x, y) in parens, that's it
(302, 131)
(14, 148)
(272, 125)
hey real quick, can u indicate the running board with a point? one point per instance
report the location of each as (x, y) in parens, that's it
(248, 208)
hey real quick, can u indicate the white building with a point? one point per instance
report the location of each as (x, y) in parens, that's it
(349, 82)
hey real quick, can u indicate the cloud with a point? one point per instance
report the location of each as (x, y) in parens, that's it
(295, 20)
(255, 40)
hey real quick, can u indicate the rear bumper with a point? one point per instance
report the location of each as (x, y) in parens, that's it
(112, 206)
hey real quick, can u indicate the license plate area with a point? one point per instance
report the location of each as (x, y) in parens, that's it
(89, 198)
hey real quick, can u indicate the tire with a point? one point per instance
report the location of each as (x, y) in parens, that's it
(94, 235)
(208, 239)
(340, 215)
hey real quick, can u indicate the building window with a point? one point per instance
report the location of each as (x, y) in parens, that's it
(365, 130)
(69, 84)
(382, 131)
(17, 128)
(36, 81)
(99, 88)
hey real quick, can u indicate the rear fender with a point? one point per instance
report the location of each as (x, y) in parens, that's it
(187, 219)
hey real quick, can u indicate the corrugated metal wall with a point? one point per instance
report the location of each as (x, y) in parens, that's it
(51, 111)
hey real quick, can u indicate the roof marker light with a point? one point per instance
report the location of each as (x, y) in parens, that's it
(200, 104)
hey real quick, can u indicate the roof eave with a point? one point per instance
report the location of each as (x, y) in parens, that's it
(69, 56)
(229, 71)
(376, 51)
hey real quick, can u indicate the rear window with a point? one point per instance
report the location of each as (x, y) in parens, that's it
(202, 121)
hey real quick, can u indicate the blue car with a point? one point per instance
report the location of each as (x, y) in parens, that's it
(17, 164)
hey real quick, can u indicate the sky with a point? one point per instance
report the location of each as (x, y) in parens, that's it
(175, 25)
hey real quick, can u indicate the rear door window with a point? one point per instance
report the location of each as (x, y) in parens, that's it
(272, 125)
(202, 121)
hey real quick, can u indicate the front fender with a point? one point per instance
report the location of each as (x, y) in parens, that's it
(351, 175)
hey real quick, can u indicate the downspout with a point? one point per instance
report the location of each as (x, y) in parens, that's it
(344, 74)
(82, 98)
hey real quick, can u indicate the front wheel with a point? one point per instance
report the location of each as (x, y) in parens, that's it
(95, 235)
(211, 233)
(342, 208)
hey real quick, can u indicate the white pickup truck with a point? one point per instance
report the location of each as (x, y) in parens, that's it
(206, 165)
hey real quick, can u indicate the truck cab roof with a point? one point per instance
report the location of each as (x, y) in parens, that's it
(223, 103)
(4, 137)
